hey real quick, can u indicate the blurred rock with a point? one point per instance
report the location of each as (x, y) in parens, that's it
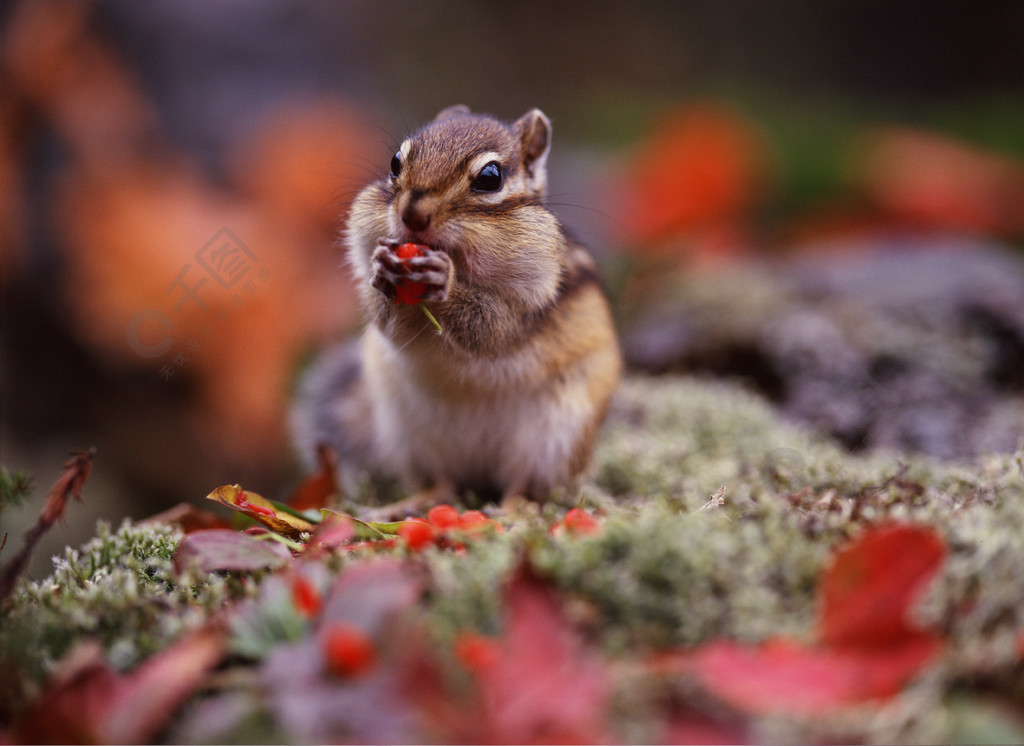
(905, 343)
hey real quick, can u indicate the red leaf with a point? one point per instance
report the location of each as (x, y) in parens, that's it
(223, 549)
(370, 593)
(784, 676)
(692, 727)
(869, 588)
(90, 703)
(542, 688)
(335, 530)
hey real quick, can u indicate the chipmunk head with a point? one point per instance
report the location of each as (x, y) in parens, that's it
(471, 186)
(463, 166)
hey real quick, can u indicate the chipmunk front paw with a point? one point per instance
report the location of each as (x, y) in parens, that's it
(410, 273)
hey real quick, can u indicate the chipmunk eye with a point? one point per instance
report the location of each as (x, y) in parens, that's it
(489, 179)
(396, 164)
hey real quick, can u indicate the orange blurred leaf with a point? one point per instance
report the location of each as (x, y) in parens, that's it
(929, 179)
(701, 167)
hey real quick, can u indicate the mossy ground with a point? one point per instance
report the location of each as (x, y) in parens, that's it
(667, 568)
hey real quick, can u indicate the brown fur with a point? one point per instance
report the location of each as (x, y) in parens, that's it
(509, 398)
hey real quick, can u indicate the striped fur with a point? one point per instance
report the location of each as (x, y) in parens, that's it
(508, 399)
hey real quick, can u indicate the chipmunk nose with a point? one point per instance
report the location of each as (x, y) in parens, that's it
(416, 213)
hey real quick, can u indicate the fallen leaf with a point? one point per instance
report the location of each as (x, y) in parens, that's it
(261, 509)
(543, 687)
(784, 676)
(868, 648)
(224, 549)
(88, 702)
(870, 586)
(367, 594)
(335, 530)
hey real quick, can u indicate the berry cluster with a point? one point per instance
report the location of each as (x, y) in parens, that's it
(446, 527)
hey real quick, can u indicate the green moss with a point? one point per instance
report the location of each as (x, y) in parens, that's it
(664, 572)
(119, 589)
(667, 568)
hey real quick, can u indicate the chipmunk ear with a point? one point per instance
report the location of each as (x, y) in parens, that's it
(451, 111)
(535, 135)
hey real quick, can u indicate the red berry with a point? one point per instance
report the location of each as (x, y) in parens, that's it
(348, 650)
(407, 292)
(416, 534)
(443, 516)
(578, 521)
(476, 652)
(305, 597)
(409, 250)
(472, 518)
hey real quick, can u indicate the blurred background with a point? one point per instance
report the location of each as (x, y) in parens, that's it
(822, 200)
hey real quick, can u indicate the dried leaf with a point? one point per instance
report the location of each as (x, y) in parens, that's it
(261, 509)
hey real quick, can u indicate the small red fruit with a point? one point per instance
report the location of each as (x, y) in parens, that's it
(305, 597)
(408, 292)
(443, 517)
(477, 652)
(472, 518)
(577, 521)
(416, 534)
(348, 650)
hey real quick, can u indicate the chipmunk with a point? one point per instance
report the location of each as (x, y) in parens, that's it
(505, 401)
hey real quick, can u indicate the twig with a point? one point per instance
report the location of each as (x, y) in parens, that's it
(69, 484)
